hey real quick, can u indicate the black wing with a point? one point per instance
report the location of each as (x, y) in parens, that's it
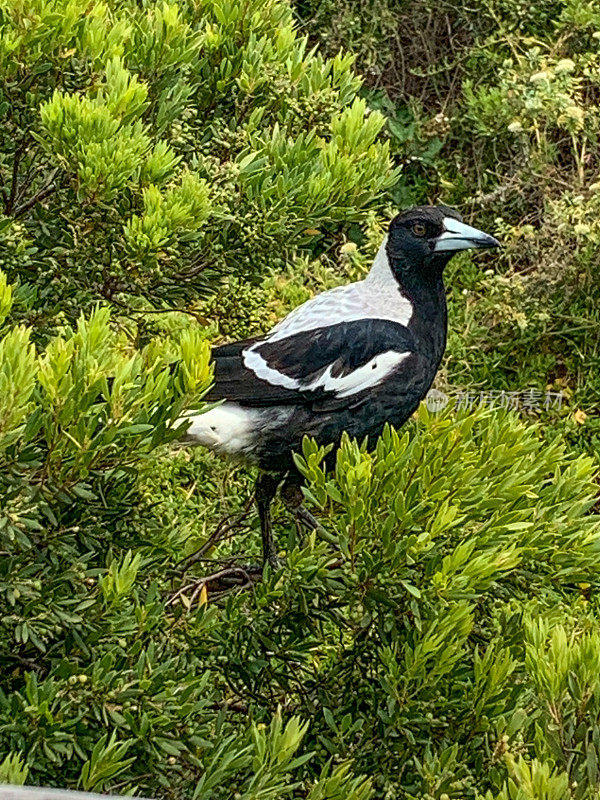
(290, 366)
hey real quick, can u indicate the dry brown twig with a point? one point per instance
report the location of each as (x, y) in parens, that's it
(218, 583)
(224, 527)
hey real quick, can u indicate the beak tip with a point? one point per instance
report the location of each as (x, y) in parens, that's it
(492, 242)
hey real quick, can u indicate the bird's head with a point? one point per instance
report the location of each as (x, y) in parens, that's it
(422, 240)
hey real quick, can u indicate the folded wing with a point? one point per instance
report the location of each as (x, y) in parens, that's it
(327, 367)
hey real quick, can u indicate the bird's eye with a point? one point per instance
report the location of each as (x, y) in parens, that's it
(419, 229)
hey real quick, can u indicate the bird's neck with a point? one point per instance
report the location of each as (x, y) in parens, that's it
(419, 303)
(427, 294)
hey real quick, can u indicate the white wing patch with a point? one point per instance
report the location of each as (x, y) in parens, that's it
(255, 362)
(365, 377)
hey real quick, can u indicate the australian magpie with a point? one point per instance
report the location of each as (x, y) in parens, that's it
(351, 359)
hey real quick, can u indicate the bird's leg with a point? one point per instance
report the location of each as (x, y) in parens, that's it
(291, 494)
(266, 487)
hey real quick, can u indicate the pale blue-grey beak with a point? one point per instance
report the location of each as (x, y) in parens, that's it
(458, 236)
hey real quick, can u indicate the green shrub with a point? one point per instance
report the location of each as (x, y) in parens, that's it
(145, 151)
(438, 638)
(439, 630)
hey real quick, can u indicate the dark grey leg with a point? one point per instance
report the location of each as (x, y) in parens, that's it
(304, 516)
(292, 496)
(266, 487)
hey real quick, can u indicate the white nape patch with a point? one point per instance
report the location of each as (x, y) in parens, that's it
(378, 296)
(381, 272)
(225, 429)
(366, 377)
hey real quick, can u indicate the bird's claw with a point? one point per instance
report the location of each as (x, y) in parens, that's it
(304, 516)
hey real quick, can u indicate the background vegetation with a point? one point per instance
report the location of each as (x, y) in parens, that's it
(440, 638)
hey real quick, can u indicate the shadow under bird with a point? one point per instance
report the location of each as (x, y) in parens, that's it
(350, 359)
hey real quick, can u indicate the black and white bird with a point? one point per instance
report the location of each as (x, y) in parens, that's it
(350, 359)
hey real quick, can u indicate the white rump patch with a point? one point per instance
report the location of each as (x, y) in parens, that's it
(225, 429)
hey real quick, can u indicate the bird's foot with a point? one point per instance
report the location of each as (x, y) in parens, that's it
(292, 496)
(305, 518)
(274, 562)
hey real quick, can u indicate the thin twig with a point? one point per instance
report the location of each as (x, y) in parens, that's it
(127, 289)
(15, 175)
(231, 572)
(225, 526)
(44, 192)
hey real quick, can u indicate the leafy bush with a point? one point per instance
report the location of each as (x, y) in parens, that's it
(148, 150)
(145, 153)
(446, 594)
(437, 639)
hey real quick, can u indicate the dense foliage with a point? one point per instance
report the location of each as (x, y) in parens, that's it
(146, 150)
(439, 637)
(494, 106)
